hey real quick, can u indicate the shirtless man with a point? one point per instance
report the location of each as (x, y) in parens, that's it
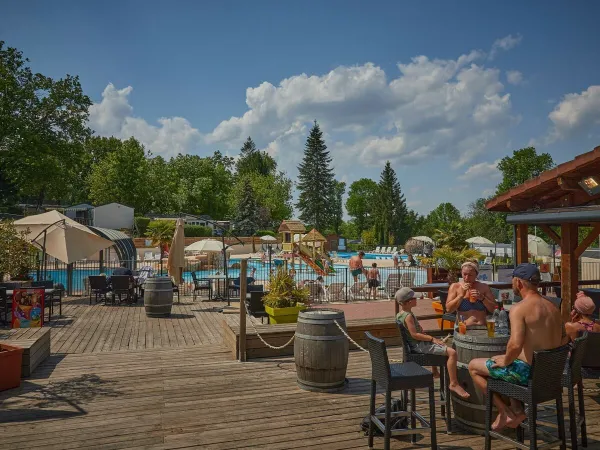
(356, 265)
(535, 324)
(459, 297)
(373, 281)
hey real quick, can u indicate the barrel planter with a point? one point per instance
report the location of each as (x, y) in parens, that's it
(470, 413)
(321, 350)
(158, 296)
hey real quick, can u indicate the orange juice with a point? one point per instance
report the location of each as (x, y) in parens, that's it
(472, 295)
(462, 328)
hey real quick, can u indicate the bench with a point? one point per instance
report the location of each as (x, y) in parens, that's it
(35, 343)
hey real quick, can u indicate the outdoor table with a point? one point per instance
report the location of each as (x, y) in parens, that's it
(47, 293)
(221, 288)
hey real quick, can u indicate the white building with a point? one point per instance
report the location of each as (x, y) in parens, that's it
(188, 219)
(114, 216)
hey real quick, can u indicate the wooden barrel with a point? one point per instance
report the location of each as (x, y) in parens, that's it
(470, 413)
(158, 296)
(321, 350)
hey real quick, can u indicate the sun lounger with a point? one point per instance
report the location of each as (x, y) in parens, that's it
(388, 250)
(394, 250)
(358, 291)
(335, 292)
(377, 250)
(316, 292)
(392, 284)
(408, 279)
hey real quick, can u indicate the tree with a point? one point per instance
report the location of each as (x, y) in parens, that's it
(337, 208)
(349, 230)
(122, 177)
(15, 252)
(452, 235)
(254, 161)
(361, 201)
(488, 224)
(414, 223)
(161, 233)
(390, 209)
(523, 165)
(43, 125)
(444, 214)
(315, 181)
(246, 211)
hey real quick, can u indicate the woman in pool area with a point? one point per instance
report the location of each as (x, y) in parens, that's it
(470, 298)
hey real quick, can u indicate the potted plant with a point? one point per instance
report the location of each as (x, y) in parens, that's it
(285, 299)
(450, 259)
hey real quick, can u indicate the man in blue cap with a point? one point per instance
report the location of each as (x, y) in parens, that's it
(535, 324)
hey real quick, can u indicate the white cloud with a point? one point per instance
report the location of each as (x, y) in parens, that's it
(514, 77)
(113, 117)
(575, 113)
(431, 108)
(506, 43)
(481, 171)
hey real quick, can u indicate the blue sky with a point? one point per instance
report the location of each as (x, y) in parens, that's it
(441, 89)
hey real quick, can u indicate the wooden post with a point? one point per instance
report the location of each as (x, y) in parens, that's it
(522, 255)
(569, 272)
(243, 290)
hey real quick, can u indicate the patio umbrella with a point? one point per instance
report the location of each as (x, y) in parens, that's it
(206, 245)
(423, 239)
(479, 240)
(36, 224)
(268, 238)
(176, 261)
(70, 243)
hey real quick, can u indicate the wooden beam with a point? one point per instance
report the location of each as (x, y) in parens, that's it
(550, 232)
(518, 205)
(522, 244)
(568, 184)
(569, 269)
(588, 240)
(243, 290)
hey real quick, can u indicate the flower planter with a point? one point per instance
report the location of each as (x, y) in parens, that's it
(284, 315)
(10, 366)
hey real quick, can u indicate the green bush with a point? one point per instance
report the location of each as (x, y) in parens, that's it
(266, 233)
(141, 225)
(197, 231)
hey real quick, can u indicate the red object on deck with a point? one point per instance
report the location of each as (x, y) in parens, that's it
(11, 358)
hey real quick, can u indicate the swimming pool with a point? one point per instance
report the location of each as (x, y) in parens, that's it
(348, 255)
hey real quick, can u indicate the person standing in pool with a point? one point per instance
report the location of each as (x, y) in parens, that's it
(470, 298)
(356, 265)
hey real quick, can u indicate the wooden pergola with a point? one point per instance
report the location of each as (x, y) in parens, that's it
(557, 203)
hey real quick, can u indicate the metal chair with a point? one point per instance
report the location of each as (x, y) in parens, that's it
(425, 359)
(201, 284)
(98, 287)
(544, 385)
(255, 305)
(571, 377)
(446, 316)
(406, 376)
(121, 285)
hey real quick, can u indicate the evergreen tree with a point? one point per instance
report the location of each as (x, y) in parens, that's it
(391, 214)
(316, 181)
(337, 218)
(254, 161)
(247, 213)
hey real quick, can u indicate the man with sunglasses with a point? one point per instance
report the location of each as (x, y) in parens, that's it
(535, 324)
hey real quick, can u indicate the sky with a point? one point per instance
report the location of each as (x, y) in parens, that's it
(443, 90)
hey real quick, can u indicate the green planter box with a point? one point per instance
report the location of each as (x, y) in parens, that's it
(284, 315)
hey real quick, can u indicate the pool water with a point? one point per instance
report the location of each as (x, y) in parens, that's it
(348, 255)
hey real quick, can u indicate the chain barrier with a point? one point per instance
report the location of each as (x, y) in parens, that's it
(265, 342)
(349, 338)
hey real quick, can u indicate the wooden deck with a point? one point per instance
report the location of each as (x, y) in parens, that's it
(143, 383)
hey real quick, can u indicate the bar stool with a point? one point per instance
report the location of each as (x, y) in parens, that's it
(571, 377)
(398, 377)
(425, 359)
(544, 385)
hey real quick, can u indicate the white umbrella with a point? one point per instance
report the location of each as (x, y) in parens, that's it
(538, 247)
(479, 240)
(268, 238)
(423, 239)
(206, 245)
(69, 243)
(36, 224)
(176, 261)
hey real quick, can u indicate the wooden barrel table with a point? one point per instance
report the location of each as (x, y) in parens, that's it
(321, 350)
(470, 413)
(158, 296)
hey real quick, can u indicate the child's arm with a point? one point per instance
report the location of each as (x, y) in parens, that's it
(412, 329)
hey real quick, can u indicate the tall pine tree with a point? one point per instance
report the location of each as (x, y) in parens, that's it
(390, 210)
(247, 212)
(254, 161)
(316, 181)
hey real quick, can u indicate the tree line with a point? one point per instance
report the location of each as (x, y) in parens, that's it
(48, 154)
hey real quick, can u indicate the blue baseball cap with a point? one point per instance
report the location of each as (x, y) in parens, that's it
(527, 272)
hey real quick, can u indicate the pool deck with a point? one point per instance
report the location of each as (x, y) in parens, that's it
(119, 380)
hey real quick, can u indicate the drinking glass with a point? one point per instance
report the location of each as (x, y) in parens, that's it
(491, 326)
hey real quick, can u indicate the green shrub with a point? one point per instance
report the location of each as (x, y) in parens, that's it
(197, 231)
(141, 224)
(266, 233)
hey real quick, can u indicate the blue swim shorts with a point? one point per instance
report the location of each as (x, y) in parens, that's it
(517, 373)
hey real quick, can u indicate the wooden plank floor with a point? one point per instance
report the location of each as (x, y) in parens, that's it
(84, 328)
(195, 397)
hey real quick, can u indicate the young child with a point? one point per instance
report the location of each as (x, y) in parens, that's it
(373, 281)
(420, 342)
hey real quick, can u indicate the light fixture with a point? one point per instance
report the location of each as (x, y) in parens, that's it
(591, 185)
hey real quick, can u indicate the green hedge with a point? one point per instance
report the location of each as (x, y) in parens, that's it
(197, 231)
(266, 233)
(141, 224)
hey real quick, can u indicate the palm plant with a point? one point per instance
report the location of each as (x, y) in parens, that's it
(161, 233)
(452, 235)
(284, 292)
(451, 260)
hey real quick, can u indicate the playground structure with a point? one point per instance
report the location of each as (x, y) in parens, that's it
(308, 247)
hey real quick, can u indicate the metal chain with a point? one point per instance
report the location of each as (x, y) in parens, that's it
(355, 343)
(265, 342)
